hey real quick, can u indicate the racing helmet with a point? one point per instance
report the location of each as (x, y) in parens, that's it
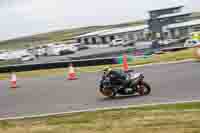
(107, 69)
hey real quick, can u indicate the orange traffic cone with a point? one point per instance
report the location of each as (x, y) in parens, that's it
(71, 74)
(13, 80)
(125, 64)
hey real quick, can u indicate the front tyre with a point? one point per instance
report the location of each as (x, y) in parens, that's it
(144, 88)
(108, 92)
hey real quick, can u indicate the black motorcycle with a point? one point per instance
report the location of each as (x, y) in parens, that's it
(135, 85)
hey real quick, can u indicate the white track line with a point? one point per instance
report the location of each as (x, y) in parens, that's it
(97, 109)
(174, 111)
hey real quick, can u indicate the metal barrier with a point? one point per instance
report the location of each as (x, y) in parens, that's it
(64, 64)
(76, 63)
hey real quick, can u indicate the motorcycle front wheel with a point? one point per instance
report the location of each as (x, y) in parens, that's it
(144, 88)
(108, 92)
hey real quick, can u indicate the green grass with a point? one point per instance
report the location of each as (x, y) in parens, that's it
(166, 107)
(173, 56)
(155, 119)
(38, 39)
(10, 62)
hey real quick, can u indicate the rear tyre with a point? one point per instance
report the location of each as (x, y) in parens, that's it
(145, 88)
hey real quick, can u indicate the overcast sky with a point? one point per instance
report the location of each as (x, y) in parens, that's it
(26, 17)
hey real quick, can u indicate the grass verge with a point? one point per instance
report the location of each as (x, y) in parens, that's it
(170, 56)
(157, 119)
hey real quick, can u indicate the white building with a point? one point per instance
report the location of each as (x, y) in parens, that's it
(182, 29)
(137, 33)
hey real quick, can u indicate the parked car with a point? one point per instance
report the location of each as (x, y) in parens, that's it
(191, 43)
(16, 55)
(28, 57)
(30, 50)
(40, 51)
(71, 48)
(164, 42)
(60, 49)
(82, 47)
(169, 42)
(129, 43)
(117, 42)
(79, 46)
(155, 44)
(19, 55)
(4, 56)
(53, 50)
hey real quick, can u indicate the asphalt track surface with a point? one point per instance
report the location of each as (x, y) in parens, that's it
(170, 83)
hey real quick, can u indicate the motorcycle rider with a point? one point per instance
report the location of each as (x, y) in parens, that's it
(116, 77)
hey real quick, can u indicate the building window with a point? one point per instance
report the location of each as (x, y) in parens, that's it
(86, 41)
(164, 20)
(176, 10)
(79, 40)
(166, 35)
(154, 14)
(94, 41)
(131, 36)
(112, 38)
(103, 40)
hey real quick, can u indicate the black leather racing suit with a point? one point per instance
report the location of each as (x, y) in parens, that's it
(117, 78)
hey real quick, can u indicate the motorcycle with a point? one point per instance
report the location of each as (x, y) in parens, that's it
(135, 85)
